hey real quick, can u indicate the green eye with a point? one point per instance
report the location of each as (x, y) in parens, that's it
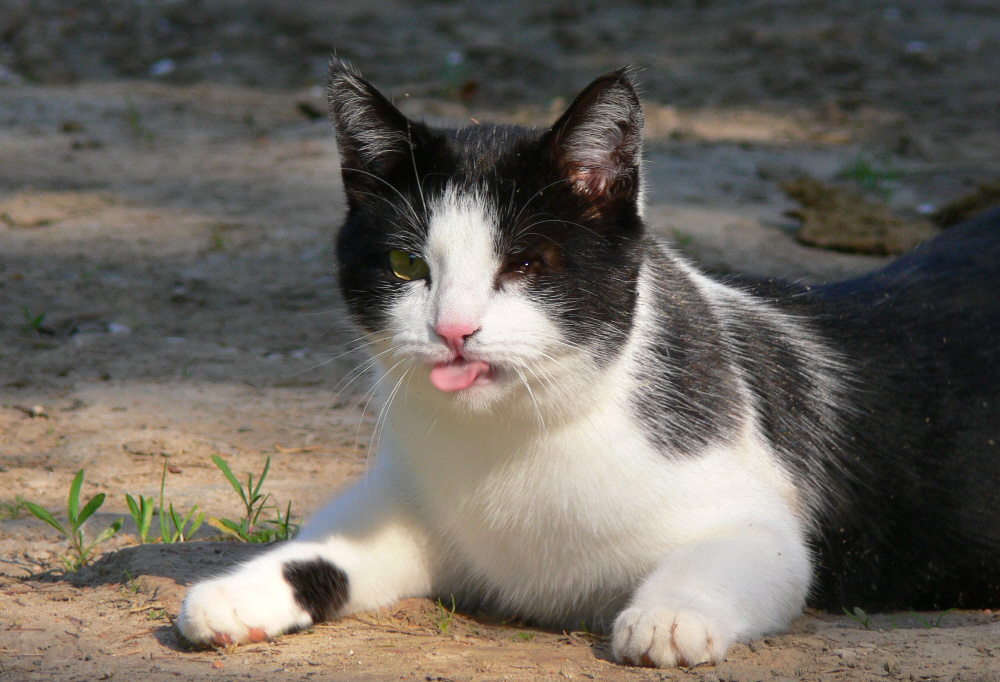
(408, 266)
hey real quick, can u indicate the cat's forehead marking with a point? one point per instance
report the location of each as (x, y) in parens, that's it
(460, 235)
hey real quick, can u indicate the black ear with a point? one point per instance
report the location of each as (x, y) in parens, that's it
(597, 143)
(373, 137)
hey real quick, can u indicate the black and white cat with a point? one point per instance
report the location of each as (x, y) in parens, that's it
(578, 427)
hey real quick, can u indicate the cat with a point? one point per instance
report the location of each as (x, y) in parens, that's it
(579, 428)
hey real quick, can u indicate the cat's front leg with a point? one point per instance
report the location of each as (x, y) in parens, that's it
(736, 586)
(360, 552)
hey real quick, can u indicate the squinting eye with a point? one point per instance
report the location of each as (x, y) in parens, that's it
(524, 265)
(518, 265)
(408, 266)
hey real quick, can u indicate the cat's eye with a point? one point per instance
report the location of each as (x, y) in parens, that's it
(408, 266)
(518, 265)
(524, 265)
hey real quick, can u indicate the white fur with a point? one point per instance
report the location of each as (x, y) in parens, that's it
(514, 332)
(540, 492)
(460, 291)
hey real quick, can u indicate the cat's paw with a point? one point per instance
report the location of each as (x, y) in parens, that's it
(238, 609)
(666, 638)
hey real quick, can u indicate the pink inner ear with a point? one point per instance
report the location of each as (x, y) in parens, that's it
(594, 165)
(592, 182)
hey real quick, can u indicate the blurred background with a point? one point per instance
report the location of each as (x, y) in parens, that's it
(900, 62)
(169, 183)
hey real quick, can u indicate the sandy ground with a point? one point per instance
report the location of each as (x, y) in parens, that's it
(167, 292)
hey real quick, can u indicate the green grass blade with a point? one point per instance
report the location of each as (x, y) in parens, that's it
(233, 481)
(142, 514)
(267, 468)
(187, 519)
(44, 515)
(147, 517)
(133, 508)
(282, 524)
(196, 524)
(241, 530)
(93, 504)
(164, 528)
(176, 520)
(260, 508)
(107, 533)
(226, 526)
(74, 498)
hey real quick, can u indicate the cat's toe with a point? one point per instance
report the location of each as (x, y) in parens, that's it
(665, 638)
(209, 617)
(216, 613)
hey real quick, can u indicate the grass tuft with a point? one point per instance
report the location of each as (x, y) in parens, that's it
(251, 528)
(81, 551)
(859, 616)
(443, 620)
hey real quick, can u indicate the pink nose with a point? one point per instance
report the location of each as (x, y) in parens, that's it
(455, 334)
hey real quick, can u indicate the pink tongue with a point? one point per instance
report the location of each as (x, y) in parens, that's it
(458, 374)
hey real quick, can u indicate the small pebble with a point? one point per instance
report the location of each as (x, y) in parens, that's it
(162, 67)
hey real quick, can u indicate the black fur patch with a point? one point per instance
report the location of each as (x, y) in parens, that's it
(690, 389)
(320, 587)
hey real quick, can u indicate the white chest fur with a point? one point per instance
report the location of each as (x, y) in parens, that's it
(567, 518)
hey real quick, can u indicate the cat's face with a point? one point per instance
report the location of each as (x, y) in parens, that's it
(487, 262)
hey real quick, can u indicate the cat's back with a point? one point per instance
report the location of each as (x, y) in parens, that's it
(950, 283)
(920, 443)
(927, 327)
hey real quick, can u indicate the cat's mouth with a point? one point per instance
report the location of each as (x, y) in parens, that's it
(460, 373)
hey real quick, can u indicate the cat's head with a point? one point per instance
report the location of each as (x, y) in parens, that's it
(490, 261)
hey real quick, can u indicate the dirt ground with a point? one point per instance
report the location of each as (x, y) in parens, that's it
(169, 191)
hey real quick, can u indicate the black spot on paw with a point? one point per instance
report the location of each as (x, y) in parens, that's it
(320, 587)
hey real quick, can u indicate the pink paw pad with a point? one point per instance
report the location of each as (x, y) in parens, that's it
(221, 639)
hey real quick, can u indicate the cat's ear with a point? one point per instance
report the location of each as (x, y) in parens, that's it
(372, 135)
(597, 143)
